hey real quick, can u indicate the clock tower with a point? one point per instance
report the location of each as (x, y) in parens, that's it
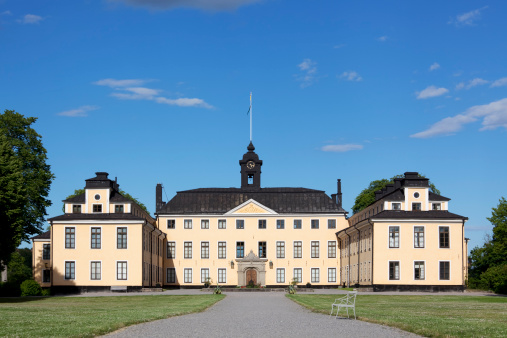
(250, 169)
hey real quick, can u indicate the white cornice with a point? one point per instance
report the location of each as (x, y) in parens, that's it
(99, 221)
(268, 210)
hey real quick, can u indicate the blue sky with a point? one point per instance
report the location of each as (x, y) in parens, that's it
(151, 91)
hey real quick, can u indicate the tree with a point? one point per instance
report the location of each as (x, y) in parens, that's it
(25, 179)
(17, 270)
(367, 196)
(123, 193)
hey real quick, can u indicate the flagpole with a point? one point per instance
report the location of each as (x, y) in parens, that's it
(251, 113)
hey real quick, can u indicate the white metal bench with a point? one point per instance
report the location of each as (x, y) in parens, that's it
(119, 288)
(347, 301)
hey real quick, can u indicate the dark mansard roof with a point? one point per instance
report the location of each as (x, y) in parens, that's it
(44, 235)
(97, 216)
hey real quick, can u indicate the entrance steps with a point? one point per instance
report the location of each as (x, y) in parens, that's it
(152, 290)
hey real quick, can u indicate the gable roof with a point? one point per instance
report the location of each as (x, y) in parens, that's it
(431, 214)
(44, 235)
(97, 216)
(221, 200)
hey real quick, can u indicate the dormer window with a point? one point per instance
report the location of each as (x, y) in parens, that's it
(97, 208)
(416, 194)
(76, 208)
(436, 206)
(97, 197)
(118, 209)
(416, 206)
(396, 206)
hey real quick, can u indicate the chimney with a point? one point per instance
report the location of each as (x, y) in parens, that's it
(397, 183)
(378, 195)
(339, 194)
(389, 188)
(158, 197)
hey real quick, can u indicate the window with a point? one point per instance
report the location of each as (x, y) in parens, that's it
(96, 238)
(171, 275)
(70, 238)
(436, 206)
(97, 208)
(331, 249)
(70, 270)
(262, 224)
(121, 238)
(262, 249)
(444, 237)
(187, 224)
(118, 209)
(97, 197)
(445, 270)
(394, 237)
(298, 275)
(315, 223)
(46, 276)
(222, 250)
(280, 224)
(222, 275)
(187, 250)
(315, 275)
(204, 275)
(240, 249)
(394, 270)
(121, 270)
(240, 224)
(76, 208)
(416, 194)
(187, 275)
(331, 275)
(280, 275)
(331, 224)
(280, 249)
(418, 237)
(396, 206)
(171, 224)
(419, 270)
(204, 249)
(204, 223)
(95, 270)
(298, 249)
(46, 251)
(171, 250)
(297, 224)
(416, 206)
(315, 249)
(222, 223)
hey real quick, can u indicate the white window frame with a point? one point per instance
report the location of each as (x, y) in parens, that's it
(185, 270)
(95, 261)
(424, 236)
(389, 270)
(281, 254)
(167, 275)
(294, 224)
(187, 223)
(294, 274)
(126, 268)
(449, 270)
(318, 275)
(329, 276)
(224, 250)
(167, 250)
(204, 280)
(280, 275)
(224, 276)
(335, 246)
(205, 220)
(208, 249)
(311, 249)
(424, 269)
(224, 221)
(191, 249)
(294, 249)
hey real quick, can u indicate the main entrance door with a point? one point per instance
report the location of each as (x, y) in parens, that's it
(251, 275)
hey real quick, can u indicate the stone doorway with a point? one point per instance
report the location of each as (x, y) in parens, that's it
(251, 277)
(251, 267)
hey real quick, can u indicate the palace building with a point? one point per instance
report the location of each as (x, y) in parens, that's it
(407, 239)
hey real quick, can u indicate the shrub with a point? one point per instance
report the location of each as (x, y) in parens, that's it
(30, 288)
(46, 292)
(308, 285)
(495, 278)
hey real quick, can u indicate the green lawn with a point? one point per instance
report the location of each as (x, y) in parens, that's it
(71, 316)
(431, 316)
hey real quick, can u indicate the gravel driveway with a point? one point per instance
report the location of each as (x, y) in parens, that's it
(258, 315)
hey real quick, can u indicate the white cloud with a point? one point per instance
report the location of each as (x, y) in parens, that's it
(31, 19)
(214, 5)
(308, 69)
(468, 18)
(500, 82)
(184, 102)
(339, 46)
(113, 83)
(351, 76)
(472, 83)
(6, 13)
(434, 66)
(494, 115)
(79, 112)
(431, 91)
(382, 38)
(341, 148)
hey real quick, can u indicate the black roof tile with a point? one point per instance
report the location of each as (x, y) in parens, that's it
(432, 214)
(98, 216)
(44, 235)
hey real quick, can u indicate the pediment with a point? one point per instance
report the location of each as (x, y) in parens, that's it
(251, 207)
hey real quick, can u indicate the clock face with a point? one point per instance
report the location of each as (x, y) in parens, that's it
(250, 164)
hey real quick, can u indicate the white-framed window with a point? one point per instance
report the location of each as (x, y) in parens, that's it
(315, 249)
(187, 275)
(187, 224)
(280, 249)
(222, 224)
(96, 237)
(95, 270)
(298, 249)
(443, 237)
(331, 275)
(240, 249)
(121, 237)
(394, 236)
(444, 270)
(331, 224)
(331, 249)
(70, 238)
(70, 270)
(46, 276)
(298, 224)
(262, 224)
(222, 250)
(222, 275)
(394, 270)
(121, 270)
(262, 249)
(118, 209)
(46, 252)
(204, 223)
(418, 237)
(171, 275)
(298, 275)
(416, 206)
(315, 223)
(204, 275)
(171, 224)
(76, 208)
(240, 224)
(280, 224)
(97, 207)
(187, 249)
(419, 270)
(171, 250)
(204, 250)
(396, 206)
(315, 275)
(436, 206)
(280, 275)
